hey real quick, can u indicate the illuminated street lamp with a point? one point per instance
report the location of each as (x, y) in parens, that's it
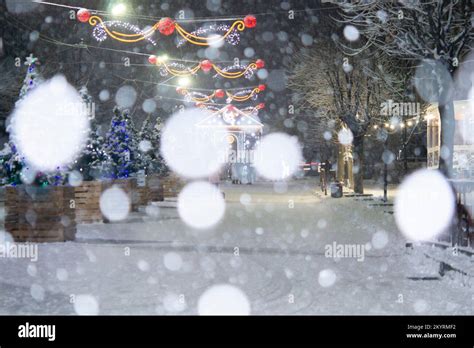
(184, 82)
(119, 9)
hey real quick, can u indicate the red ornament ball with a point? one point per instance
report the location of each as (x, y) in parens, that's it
(262, 88)
(250, 21)
(219, 93)
(261, 106)
(152, 59)
(83, 15)
(166, 26)
(206, 65)
(260, 64)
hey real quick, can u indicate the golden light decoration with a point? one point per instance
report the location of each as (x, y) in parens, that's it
(196, 96)
(241, 96)
(166, 26)
(177, 69)
(249, 110)
(209, 41)
(96, 21)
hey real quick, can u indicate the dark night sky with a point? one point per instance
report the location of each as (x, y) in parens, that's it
(275, 39)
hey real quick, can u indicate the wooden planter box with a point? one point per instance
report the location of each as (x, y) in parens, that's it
(88, 198)
(172, 186)
(40, 214)
(160, 188)
(87, 201)
(127, 185)
(154, 188)
(87, 195)
(139, 195)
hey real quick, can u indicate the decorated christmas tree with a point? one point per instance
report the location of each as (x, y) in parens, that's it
(120, 146)
(159, 164)
(135, 142)
(150, 159)
(32, 78)
(93, 161)
(145, 146)
(11, 161)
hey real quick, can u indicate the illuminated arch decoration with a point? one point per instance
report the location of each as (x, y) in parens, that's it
(231, 72)
(230, 34)
(166, 26)
(231, 118)
(245, 95)
(199, 97)
(209, 107)
(241, 131)
(103, 30)
(253, 110)
(240, 96)
(249, 110)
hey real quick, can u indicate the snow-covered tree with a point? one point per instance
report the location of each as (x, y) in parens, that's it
(344, 93)
(149, 141)
(11, 160)
(159, 164)
(92, 163)
(120, 146)
(145, 146)
(93, 160)
(32, 78)
(436, 34)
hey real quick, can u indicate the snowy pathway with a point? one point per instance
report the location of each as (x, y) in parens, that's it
(272, 248)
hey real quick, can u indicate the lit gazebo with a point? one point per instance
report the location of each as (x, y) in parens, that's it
(241, 130)
(463, 156)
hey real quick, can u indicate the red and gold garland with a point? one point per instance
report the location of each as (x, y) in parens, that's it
(166, 26)
(206, 66)
(219, 93)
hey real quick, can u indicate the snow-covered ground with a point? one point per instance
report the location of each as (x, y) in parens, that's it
(272, 246)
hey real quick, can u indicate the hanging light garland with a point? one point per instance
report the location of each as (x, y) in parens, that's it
(231, 116)
(253, 110)
(209, 107)
(215, 33)
(199, 97)
(166, 26)
(249, 110)
(246, 95)
(240, 96)
(231, 72)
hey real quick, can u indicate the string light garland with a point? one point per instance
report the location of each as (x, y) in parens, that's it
(391, 126)
(166, 26)
(199, 97)
(245, 95)
(209, 35)
(249, 110)
(101, 31)
(239, 96)
(232, 72)
(230, 117)
(229, 35)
